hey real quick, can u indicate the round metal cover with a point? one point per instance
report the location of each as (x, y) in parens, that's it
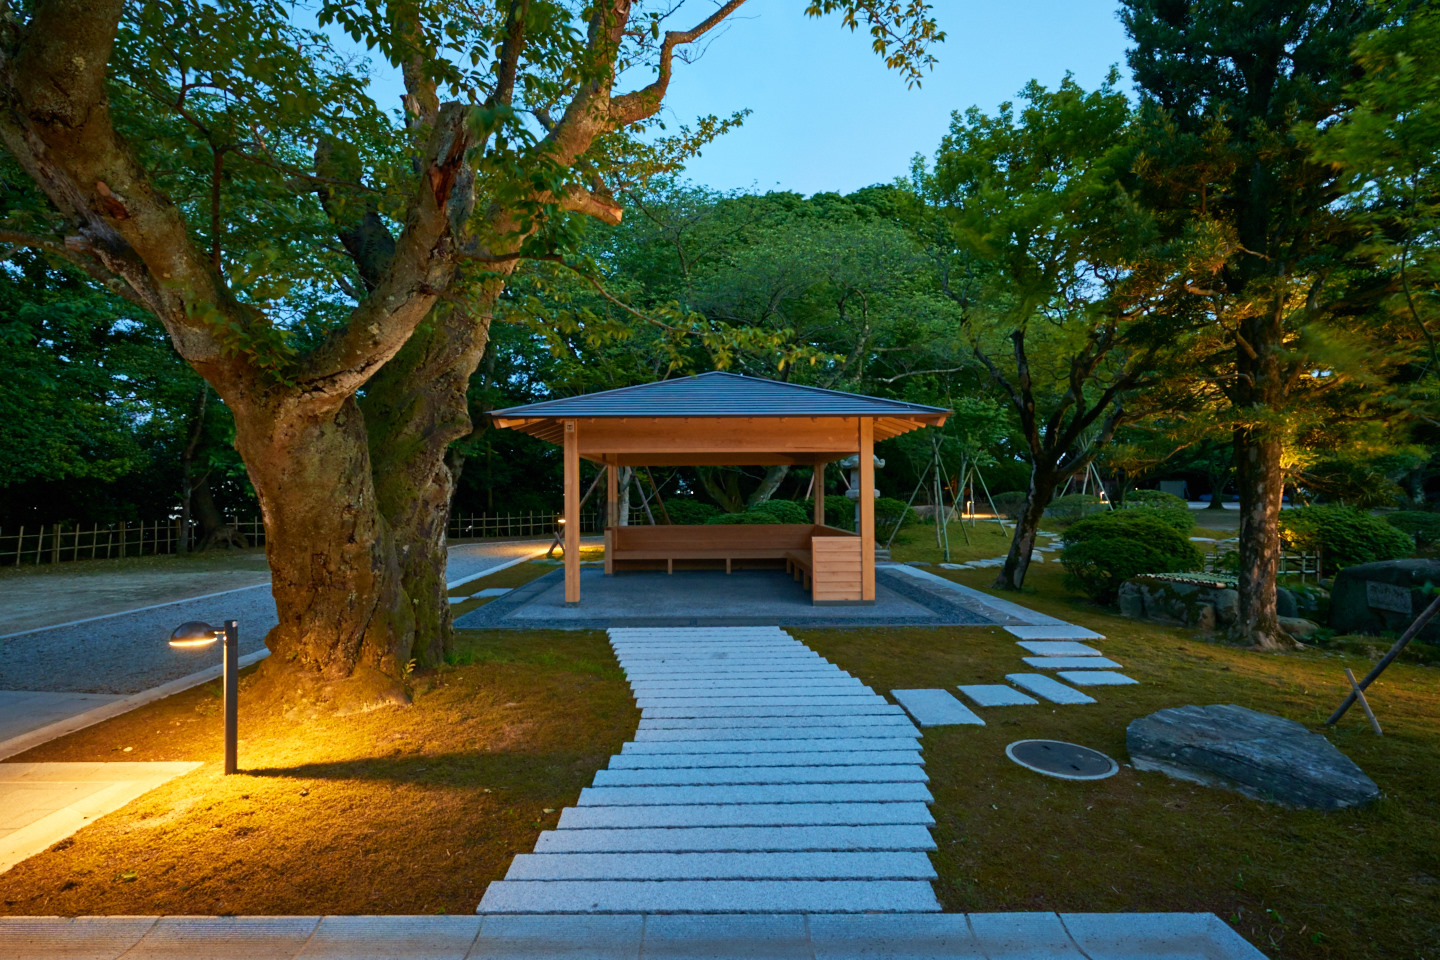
(1068, 761)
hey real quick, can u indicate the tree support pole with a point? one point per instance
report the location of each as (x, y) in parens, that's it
(1404, 641)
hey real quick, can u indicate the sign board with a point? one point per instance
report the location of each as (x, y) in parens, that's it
(1387, 596)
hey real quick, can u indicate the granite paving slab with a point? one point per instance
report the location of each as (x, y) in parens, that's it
(681, 713)
(747, 815)
(936, 708)
(1095, 678)
(1058, 630)
(1071, 663)
(741, 723)
(641, 761)
(1049, 688)
(801, 734)
(708, 896)
(731, 793)
(876, 837)
(796, 865)
(1059, 648)
(848, 773)
(995, 695)
(840, 744)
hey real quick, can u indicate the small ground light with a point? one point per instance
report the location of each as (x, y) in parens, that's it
(196, 633)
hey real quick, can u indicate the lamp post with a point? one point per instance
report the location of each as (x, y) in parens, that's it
(197, 633)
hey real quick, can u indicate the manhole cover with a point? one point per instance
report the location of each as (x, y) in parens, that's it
(1068, 761)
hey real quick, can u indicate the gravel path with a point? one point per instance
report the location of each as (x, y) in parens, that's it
(127, 653)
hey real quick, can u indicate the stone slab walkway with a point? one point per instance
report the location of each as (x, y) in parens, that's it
(42, 803)
(976, 936)
(762, 779)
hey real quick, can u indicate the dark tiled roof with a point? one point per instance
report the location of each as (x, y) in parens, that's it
(719, 395)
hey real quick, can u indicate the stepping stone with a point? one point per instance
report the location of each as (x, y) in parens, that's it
(651, 761)
(1096, 678)
(1049, 688)
(455, 600)
(739, 723)
(1059, 648)
(797, 700)
(747, 815)
(850, 773)
(674, 713)
(709, 839)
(764, 734)
(1070, 663)
(708, 896)
(841, 744)
(995, 695)
(935, 708)
(491, 592)
(704, 687)
(669, 797)
(1061, 631)
(803, 865)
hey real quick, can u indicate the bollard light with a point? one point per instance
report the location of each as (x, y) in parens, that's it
(193, 634)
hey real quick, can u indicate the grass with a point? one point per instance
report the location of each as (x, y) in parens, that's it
(1298, 884)
(916, 542)
(402, 810)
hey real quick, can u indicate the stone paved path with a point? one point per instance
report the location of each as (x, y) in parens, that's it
(762, 779)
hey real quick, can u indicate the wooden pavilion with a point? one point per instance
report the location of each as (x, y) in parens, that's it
(726, 419)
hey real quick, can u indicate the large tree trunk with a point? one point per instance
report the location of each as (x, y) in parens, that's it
(1258, 475)
(1037, 498)
(774, 476)
(346, 627)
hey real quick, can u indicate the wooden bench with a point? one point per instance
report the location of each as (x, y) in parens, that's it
(827, 559)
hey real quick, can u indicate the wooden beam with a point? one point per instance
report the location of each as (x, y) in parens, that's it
(612, 508)
(668, 458)
(572, 513)
(867, 510)
(712, 435)
(818, 489)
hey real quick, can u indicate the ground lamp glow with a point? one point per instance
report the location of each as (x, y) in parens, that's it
(196, 633)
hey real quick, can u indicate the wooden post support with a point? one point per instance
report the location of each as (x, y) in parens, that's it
(1365, 704)
(867, 510)
(572, 513)
(612, 510)
(1405, 638)
(817, 486)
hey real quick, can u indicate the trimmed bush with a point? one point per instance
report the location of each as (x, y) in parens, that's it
(1423, 528)
(749, 516)
(784, 511)
(1180, 518)
(888, 510)
(839, 511)
(688, 510)
(1010, 504)
(1068, 509)
(1155, 498)
(1104, 551)
(1345, 536)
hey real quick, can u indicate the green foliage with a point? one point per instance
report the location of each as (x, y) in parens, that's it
(749, 516)
(1179, 519)
(784, 511)
(1072, 507)
(1010, 503)
(1344, 536)
(839, 511)
(1423, 527)
(1155, 498)
(688, 510)
(1104, 551)
(889, 512)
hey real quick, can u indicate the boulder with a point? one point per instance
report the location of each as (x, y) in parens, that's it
(1376, 597)
(1299, 628)
(1257, 754)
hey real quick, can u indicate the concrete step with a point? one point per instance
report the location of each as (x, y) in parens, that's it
(804, 865)
(816, 732)
(836, 744)
(691, 794)
(788, 700)
(709, 896)
(740, 723)
(643, 761)
(829, 773)
(734, 673)
(748, 815)
(749, 688)
(718, 839)
(1071, 663)
(936, 708)
(1049, 688)
(764, 683)
(881, 709)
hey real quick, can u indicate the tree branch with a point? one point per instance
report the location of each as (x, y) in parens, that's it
(75, 258)
(642, 103)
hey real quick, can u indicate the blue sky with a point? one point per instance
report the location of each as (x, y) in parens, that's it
(827, 115)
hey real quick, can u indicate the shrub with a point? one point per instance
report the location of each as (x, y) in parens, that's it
(688, 510)
(839, 510)
(888, 511)
(1068, 509)
(1345, 536)
(1155, 498)
(1102, 552)
(749, 516)
(1424, 528)
(1180, 518)
(784, 511)
(1010, 504)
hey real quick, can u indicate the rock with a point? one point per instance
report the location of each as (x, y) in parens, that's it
(1257, 754)
(1131, 600)
(1227, 606)
(1375, 597)
(1285, 605)
(1298, 628)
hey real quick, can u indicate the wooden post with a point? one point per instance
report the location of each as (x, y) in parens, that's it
(55, 543)
(1360, 695)
(867, 510)
(817, 486)
(612, 507)
(122, 539)
(19, 542)
(572, 513)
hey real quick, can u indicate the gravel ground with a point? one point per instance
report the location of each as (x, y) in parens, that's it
(127, 652)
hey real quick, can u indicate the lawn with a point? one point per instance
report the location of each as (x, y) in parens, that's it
(401, 810)
(1354, 884)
